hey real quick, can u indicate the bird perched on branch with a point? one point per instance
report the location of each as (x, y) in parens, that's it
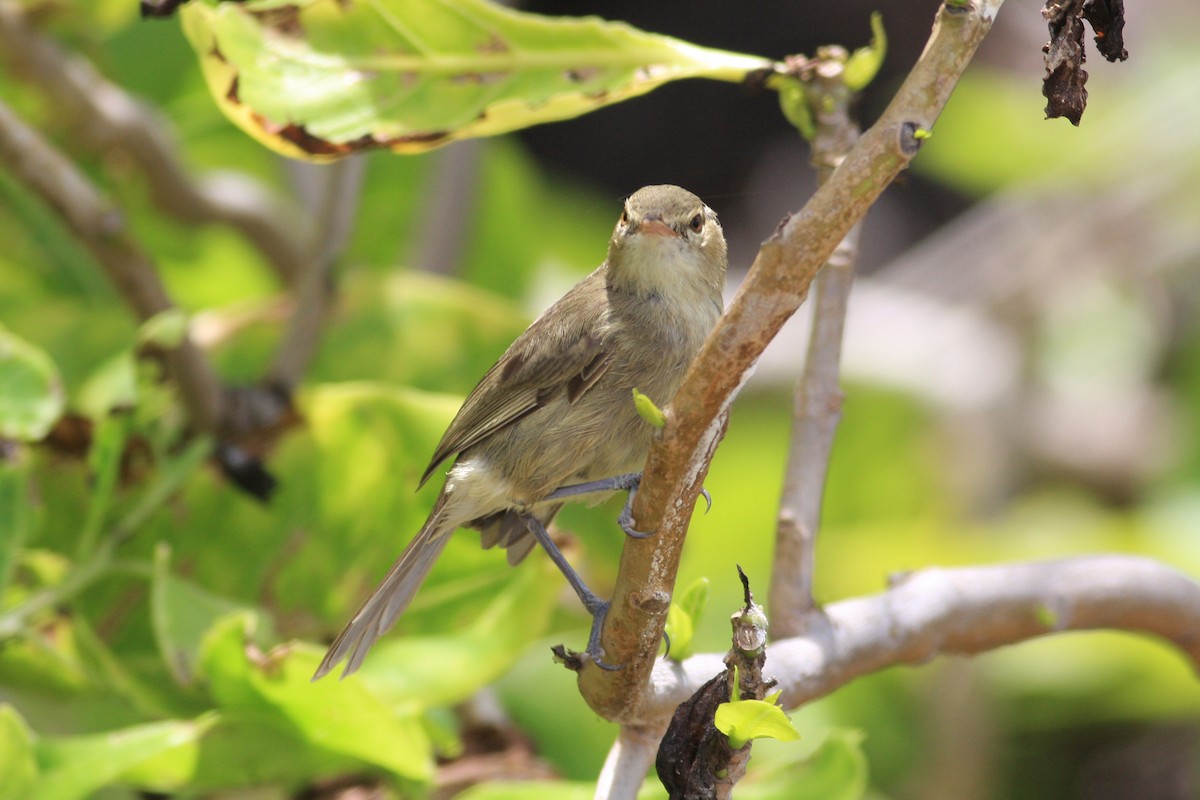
(554, 418)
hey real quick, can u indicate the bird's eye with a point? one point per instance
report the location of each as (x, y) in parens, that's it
(697, 223)
(625, 217)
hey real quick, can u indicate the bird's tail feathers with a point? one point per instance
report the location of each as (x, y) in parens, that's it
(390, 598)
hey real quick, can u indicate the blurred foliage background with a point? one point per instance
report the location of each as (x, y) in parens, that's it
(1022, 378)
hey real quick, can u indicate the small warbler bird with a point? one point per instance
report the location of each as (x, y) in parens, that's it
(554, 418)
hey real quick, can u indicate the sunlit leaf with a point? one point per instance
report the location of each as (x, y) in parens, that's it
(836, 770)
(76, 766)
(529, 790)
(424, 671)
(684, 616)
(239, 749)
(113, 384)
(743, 720)
(338, 716)
(648, 411)
(18, 768)
(16, 514)
(30, 388)
(181, 614)
(322, 78)
(793, 102)
(864, 63)
(104, 464)
(165, 329)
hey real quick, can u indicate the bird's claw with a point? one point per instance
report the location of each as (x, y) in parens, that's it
(625, 518)
(594, 653)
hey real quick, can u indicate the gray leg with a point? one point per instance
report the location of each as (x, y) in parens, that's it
(628, 482)
(595, 606)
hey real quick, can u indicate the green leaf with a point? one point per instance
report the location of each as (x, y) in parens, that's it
(104, 464)
(30, 387)
(167, 481)
(743, 720)
(166, 329)
(16, 514)
(323, 78)
(680, 632)
(341, 717)
(76, 766)
(793, 102)
(648, 411)
(18, 768)
(528, 790)
(420, 672)
(181, 615)
(241, 749)
(684, 616)
(863, 64)
(112, 385)
(835, 768)
(694, 598)
(838, 770)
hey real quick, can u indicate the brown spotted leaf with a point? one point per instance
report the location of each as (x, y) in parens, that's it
(320, 79)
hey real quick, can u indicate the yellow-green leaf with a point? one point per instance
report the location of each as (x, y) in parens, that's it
(166, 329)
(30, 388)
(683, 616)
(18, 768)
(743, 720)
(322, 78)
(864, 63)
(648, 411)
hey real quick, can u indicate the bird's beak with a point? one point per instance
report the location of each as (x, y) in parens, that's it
(654, 226)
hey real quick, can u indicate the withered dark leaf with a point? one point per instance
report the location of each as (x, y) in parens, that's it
(1063, 86)
(246, 471)
(159, 8)
(692, 750)
(1107, 18)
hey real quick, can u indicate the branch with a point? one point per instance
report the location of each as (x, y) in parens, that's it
(99, 226)
(337, 188)
(445, 219)
(774, 288)
(818, 398)
(107, 119)
(628, 761)
(961, 611)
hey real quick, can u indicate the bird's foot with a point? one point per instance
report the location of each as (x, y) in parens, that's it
(594, 653)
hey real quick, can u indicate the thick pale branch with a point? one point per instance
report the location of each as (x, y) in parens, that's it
(100, 227)
(960, 612)
(106, 118)
(628, 761)
(773, 290)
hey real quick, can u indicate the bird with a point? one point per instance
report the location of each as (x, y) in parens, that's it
(554, 419)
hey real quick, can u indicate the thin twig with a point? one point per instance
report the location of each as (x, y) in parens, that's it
(337, 188)
(99, 226)
(818, 397)
(444, 227)
(773, 290)
(963, 611)
(106, 118)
